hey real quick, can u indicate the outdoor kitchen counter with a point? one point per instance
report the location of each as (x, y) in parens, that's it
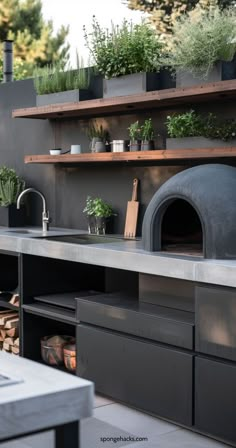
(43, 398)
(127, 255)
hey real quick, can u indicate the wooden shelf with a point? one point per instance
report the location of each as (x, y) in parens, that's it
(160, 98)
(151, 157)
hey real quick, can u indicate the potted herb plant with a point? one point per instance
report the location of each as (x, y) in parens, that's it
(135, 136)
(100, 211)
(98, 136)
(56, 84)
(128, 57)
(204, 46)
(147, 135)
(11, 186)
(193, 130)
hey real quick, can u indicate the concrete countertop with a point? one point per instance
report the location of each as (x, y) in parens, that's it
(30, 404)
(127, 255)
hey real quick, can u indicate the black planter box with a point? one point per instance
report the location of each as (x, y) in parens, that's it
(131, 84)
(198, 142)
(222, 71)
(11, 217)
(69, 96)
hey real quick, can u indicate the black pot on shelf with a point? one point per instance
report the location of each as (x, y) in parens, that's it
(11, 217)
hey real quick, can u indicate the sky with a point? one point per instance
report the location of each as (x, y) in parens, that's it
(77, 13)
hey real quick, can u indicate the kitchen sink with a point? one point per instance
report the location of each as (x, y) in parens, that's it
(88, 239)
(23, 231)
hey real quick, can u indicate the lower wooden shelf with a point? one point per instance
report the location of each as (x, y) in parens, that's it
(161, 156)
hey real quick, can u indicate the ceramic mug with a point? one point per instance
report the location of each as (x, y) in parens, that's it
(75, 149)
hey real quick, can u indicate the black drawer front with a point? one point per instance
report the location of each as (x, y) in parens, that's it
(142, 374)
(168, 329)
(215, 392)
(215, 321)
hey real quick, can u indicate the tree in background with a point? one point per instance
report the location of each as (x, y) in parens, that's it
(163, 13)
(34, 40)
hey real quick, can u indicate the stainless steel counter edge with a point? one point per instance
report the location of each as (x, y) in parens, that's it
(127, 255)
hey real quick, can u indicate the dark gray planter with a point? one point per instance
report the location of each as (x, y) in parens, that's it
(147, 145)
(197, 142)
(134, 145)
(222, 71)
(167, 79)
(11, 217)
(100, 147)
(68, 96)
(130, 84)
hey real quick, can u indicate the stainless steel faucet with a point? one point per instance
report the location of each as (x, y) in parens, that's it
(45, 214)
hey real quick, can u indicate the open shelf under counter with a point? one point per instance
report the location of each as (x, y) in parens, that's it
(51, 312)
(162, 156)
(130, 103)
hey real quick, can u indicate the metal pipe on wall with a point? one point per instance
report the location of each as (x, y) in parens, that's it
(8, 61)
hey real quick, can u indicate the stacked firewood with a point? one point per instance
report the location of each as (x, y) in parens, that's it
(9, 328)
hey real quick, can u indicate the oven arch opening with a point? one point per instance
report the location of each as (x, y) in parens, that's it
(181, 229)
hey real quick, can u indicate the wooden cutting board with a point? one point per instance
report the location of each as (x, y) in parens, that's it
(132, 213)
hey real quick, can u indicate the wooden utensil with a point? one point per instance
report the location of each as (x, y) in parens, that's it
(132, 213)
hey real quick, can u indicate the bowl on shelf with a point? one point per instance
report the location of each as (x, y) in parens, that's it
(55, 152)
(52, 349)
(69, 351)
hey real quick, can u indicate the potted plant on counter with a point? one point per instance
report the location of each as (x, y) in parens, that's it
(204, 46)
(11, 186)
(98, 212)
(56, 84)
(99, 137)
(128, 57)
(193, 130)
(135, 136)
(147, 135)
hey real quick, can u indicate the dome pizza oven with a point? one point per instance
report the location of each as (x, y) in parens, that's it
(194, 213)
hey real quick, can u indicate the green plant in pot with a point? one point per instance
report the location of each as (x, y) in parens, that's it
(58, 84)
(147, 135)
(128, 57)
(135, 136)
(204, 46)
(194, 130)
(99, 137)
(11, 186)
(97, 211)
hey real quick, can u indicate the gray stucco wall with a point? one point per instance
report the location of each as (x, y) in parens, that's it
(66, 189)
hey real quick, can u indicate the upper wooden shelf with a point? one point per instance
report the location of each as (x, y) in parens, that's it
(148, 100)
(150, 157)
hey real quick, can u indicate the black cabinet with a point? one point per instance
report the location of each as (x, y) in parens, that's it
(120, 313)
(216, 321)
(215, 404)
(140, 373)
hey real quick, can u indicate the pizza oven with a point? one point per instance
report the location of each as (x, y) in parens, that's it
(194, 213)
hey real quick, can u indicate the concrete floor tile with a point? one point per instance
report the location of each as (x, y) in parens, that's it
(182, 439)
(99, 401)
(133, 421)
(92, 430)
